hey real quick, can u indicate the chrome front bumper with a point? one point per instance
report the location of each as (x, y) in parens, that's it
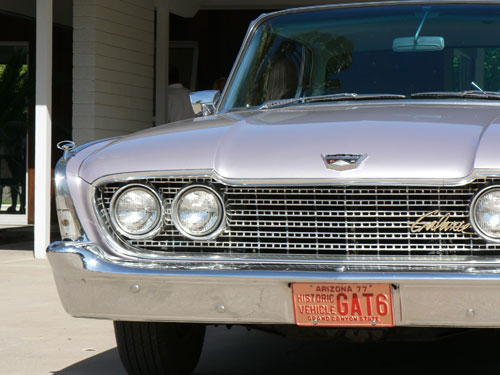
(93, 286)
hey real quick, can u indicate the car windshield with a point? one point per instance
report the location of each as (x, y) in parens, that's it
(397, 50)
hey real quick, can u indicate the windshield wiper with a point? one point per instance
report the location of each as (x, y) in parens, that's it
(280, 102)
(470, 94)
(352, 96)
(329, 98)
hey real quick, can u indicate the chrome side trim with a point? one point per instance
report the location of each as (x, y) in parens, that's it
(70, 226)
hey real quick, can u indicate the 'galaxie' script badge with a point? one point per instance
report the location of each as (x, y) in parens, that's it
(342, 162)
(444, 224)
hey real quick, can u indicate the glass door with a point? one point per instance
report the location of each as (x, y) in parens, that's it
(15, 92)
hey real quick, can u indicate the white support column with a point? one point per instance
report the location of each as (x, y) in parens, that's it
(162, 50)
(43, 125)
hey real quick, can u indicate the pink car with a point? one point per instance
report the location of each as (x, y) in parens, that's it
(348, 177)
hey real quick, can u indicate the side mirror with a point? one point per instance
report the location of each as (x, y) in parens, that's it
(204, 102)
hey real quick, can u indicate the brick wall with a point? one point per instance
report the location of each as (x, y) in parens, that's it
(113, 57)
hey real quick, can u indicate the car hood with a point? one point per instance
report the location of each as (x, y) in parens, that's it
(402, 140)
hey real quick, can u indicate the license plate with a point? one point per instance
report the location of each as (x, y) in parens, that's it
(343, 305)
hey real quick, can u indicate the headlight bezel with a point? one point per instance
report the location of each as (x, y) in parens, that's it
(218, 227)
(472, 213)
(158, 222)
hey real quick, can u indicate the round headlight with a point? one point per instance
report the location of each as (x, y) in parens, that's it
(197, 212)
(136, 211)
(485, 213)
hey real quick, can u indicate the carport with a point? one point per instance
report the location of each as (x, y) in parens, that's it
(120, 72)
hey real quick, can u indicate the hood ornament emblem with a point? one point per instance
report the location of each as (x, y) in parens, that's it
(342, 162)
(66, 146)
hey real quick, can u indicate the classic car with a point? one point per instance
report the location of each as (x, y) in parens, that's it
(347, 178)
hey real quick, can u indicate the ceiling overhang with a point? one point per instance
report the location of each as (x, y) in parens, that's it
(189, 8)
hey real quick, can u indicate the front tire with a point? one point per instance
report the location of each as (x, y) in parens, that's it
(151, 348)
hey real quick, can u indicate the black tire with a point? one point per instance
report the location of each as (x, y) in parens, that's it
(150, 348)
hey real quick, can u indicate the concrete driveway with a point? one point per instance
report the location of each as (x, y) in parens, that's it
(38, 337)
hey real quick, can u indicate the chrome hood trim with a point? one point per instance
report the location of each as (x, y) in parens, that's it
(124, 177)
(404, 140)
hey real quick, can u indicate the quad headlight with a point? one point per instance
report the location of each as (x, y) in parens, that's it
(136, 211)
(485, 213)
(198, 212)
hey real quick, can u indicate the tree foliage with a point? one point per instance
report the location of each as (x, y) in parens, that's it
(16, 89)
(492, 69)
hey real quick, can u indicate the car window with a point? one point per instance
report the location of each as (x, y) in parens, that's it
(283, 71)
(392, 49)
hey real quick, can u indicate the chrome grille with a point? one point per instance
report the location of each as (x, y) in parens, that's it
(318, 220)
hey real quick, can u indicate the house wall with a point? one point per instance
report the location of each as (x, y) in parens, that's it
(113, 67)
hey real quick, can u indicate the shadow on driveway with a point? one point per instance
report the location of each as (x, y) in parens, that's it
(21, 237)
(106, 363)
(241, 352)
(238, 352)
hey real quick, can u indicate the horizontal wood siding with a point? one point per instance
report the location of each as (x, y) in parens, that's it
(113, 62)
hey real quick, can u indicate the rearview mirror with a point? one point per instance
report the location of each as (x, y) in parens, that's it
(421, 44)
